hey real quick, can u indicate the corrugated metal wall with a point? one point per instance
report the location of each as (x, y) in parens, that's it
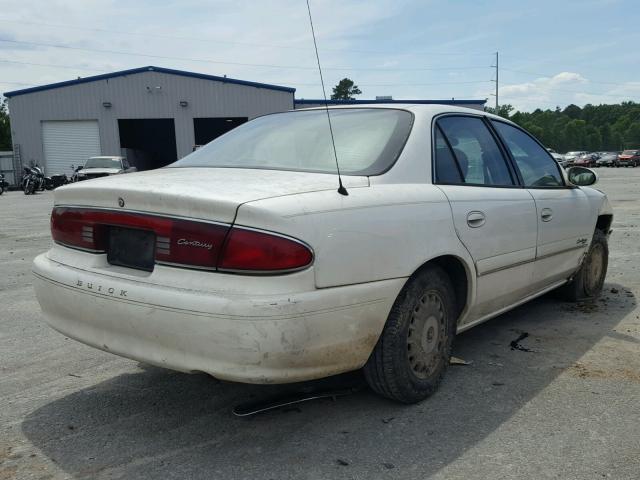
(136, 96)
(6, 167)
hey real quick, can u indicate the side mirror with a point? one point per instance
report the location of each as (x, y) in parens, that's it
(583, 177)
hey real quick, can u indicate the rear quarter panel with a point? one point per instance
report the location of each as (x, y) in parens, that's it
(374, 233)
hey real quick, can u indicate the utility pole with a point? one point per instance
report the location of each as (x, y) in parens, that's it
(496, 80)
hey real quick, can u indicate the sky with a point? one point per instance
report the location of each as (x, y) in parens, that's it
(551, 53)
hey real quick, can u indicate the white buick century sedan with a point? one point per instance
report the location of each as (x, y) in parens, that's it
(242, 260)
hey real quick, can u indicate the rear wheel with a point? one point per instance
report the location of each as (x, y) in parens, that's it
(588, 281)
(413, 351)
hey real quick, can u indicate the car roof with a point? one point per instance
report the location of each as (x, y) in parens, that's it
(426, 110)
(108, 156)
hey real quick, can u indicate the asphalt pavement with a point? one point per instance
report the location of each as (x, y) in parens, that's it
(565, 406)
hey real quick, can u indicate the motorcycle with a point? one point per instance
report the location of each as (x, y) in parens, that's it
(55, 181)
(32, 180)
(75, 176)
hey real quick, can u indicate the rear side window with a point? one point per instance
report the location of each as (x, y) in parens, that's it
(537, 167)
(447, 170)
(478, 158)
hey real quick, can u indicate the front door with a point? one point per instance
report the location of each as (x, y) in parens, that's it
(494, 217)
(564, 216)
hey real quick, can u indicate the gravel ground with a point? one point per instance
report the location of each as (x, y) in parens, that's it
(567, 409)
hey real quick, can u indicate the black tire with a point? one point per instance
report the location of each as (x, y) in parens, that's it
(588, 281)
(27, 188)
(425, 310)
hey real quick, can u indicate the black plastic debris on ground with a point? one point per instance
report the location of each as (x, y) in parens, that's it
(515, 344)
(286, 402)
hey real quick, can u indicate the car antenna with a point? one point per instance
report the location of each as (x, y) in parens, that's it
(341, 189)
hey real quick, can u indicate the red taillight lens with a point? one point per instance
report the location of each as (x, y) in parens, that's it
(249, 250)
(76, 228)
(190, 243)
(178, 241)
(183, 242)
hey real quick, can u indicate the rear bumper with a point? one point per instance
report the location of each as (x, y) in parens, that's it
(252, 338)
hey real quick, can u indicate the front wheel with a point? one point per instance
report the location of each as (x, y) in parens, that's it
(588, 281)
(413, 351)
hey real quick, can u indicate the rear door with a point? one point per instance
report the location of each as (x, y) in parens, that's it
(564, 216)
(494, 217)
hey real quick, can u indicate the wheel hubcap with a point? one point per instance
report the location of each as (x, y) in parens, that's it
(426, 336)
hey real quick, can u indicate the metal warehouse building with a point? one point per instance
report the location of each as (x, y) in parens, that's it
(151, 115)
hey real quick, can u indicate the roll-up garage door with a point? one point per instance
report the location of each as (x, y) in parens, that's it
(69, 142)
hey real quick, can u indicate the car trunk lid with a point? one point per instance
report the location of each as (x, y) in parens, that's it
(204, 193)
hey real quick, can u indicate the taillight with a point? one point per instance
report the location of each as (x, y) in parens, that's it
(184, 242)
(253, 251)
(76, 228)
(178, 241)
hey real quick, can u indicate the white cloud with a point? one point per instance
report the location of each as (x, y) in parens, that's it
(405, 35)
(227, 31)
(563, 89)
(567, 77)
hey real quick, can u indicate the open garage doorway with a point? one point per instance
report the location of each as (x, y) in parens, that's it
(148, 143)
(207, 129)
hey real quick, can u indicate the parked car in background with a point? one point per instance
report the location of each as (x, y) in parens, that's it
(586, 160)
(103, 167)
(607, 159)
(558, 158)
(629, 158)
(246, 261)
(570, 157)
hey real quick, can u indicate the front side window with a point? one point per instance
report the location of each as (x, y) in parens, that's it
(368, 141)
(537, 167)
(478, 157)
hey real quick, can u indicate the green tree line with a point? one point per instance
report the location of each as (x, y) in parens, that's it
(592, 127)
(5, 129)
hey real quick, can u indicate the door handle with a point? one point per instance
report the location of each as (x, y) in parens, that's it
(546, 214)
(475, 219)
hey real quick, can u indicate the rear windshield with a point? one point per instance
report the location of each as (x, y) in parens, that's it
(368, 142)
(102, 163)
